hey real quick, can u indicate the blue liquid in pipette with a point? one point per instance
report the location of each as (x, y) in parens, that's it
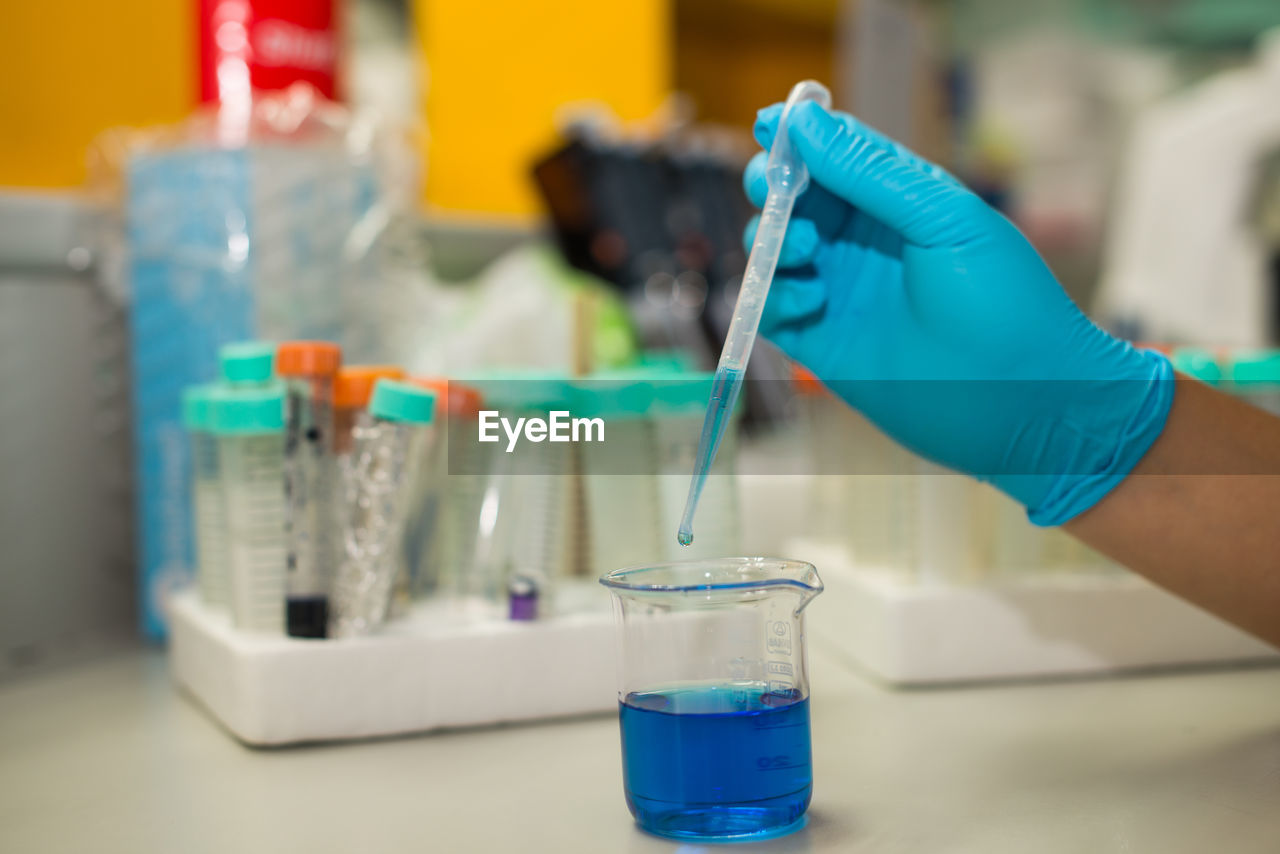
(716, 761)
(724, 397)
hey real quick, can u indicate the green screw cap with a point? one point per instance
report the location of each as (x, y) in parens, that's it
(400, 401)
(683, 391)
(668, 361)
(247, 361)
(614, 394)
(1199, 363)
(523, 389)
(1256, 367)
(667, 392)
(197, 401)
(248, 411)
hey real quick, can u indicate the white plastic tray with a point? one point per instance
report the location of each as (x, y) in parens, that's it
(421, 674)
(1052, 625)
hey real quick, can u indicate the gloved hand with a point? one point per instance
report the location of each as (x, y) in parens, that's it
(930, 313)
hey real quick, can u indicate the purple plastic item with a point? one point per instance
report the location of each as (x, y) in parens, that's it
(524, 599)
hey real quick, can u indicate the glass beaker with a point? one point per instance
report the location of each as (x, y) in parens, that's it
(714, 695)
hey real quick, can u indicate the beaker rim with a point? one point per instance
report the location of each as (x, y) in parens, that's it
(705, 574)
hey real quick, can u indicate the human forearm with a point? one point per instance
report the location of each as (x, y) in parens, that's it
(1198, 515)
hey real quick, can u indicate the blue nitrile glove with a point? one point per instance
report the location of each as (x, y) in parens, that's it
(930, 313)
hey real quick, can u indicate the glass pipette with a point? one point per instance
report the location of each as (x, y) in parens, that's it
(787, 177)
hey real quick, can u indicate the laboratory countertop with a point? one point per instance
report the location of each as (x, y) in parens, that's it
(110, 757)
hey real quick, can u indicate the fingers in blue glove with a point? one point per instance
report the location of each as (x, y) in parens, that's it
(814, 204)
(795, 302)
(925, 209)
(766, 127)
(799, 244)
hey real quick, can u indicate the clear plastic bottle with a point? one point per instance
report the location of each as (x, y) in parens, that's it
(448, 495)
(243, 365)
(1019, 546)
(352, 391)
(831, 444)
(375, 503)
(867, 490)
(206, 499)
(249, 426)
(623, 507)
(530, 530)
(309, 369)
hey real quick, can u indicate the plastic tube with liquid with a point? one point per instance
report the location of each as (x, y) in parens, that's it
(375, 505)
(309, 369)
(787, 178)
(250, 427)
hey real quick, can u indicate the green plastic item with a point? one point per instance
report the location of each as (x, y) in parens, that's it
(524, 389)
(197, 402)
(247, 411)
(685, 392)
(394, 400)
(246, 361)
(613, 394)
(662, 392)
(674, 361)
(1256, 367)
(1199, 363)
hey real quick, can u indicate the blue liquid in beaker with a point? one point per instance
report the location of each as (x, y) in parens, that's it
(716, 761)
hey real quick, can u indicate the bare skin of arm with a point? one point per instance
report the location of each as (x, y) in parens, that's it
(1200, 514)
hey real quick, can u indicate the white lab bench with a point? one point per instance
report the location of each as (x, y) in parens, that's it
(109, 757)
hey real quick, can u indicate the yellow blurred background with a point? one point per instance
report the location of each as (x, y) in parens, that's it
(491, 79)
(70, 69)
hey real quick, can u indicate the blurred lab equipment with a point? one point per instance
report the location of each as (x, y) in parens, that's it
(376, 492)
(661, 220)
(482, 321)
(449, 499)
(713, 695)
(531, 537)
(246, 363)
(309, 370)
(208, 508)
(250, 426)
(352, 391)
(242, 365)
(890, 510)
(64, 440)
(787, 177)
(233, 226)
(623, 507)
(1198, 362)
(1184, 262)
(504, 536)
(940, 579)
(248, 46)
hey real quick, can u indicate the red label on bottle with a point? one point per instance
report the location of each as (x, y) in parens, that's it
(248, 45)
